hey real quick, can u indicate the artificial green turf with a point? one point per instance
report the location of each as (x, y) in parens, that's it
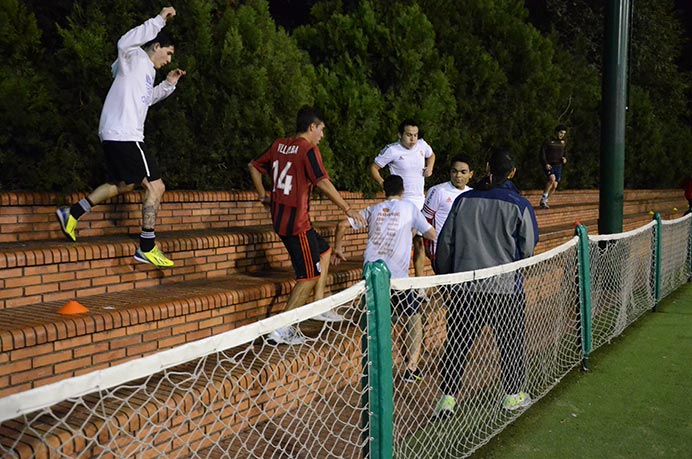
(635, 403)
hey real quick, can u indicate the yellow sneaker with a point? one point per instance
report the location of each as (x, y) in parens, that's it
(445, 408)
(515, 401)
(68, 223)
(154, 257)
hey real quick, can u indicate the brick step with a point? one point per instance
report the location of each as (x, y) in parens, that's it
(556, 235)
(58, 270)
(31, 216)
(44, 271)
(560, 214)
(285, 375)
(27, 216)
(41, 346)
(242, 394)
(593, 196)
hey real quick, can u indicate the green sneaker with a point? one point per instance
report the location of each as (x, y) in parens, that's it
(67, 222)
(154, 257)
(515, 401)
(445, 408)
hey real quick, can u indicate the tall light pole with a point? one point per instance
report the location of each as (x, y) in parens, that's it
(613, 110)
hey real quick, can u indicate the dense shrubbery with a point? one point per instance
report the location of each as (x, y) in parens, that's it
(476, 73)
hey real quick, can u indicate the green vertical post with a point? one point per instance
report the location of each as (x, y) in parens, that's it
(584, 267)
(614, 106)
(657, 260)
(377, 361)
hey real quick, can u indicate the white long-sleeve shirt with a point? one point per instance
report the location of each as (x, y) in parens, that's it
(133, 90)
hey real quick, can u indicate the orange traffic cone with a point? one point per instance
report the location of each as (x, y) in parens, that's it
(73, 307)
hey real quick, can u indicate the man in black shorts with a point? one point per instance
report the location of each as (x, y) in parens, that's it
(141, 51)
(295, 164)
(553, 156)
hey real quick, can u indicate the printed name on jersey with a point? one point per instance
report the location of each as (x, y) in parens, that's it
(287, 149)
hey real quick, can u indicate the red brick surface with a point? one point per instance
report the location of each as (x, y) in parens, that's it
(231, 269)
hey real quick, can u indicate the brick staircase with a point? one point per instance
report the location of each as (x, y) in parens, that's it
(231, 269)
(566, 207)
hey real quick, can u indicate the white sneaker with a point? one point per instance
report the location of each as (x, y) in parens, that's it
(286, 335)
(329, 316)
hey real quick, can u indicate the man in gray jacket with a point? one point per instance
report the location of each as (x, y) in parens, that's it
(488, 226)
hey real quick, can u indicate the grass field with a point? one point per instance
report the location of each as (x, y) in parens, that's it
(635, 403)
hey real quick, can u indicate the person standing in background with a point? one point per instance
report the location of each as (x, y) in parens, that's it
(553, 156)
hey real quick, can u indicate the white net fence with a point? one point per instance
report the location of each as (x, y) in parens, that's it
(487, 334)
(622, 280)
(230, 396)
(470, 352)
(675, 253)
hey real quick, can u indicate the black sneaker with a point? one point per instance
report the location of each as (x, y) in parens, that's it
(413, 375)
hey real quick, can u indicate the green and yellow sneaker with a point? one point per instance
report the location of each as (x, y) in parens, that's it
(515, 401)
(67, 222)
(154, 257)
(445, 408)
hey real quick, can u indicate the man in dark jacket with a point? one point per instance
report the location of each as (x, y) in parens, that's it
(553, 156)
(488, 226)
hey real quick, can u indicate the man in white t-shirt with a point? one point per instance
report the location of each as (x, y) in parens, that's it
(390, 226)
(440, 198)
(412, 159)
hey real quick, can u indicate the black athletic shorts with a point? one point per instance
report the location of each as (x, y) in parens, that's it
(127, 162)
(305, 250)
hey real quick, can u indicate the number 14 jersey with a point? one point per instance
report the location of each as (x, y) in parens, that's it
(295, 166)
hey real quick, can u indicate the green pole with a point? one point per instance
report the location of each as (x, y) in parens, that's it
(584, 266)
(377, 357)
(657, 260)
(614, 106)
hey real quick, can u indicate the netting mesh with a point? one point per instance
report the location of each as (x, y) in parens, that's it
(484, 339)
(476, 337)
(622, 281)
(253, 400)
(675, 254)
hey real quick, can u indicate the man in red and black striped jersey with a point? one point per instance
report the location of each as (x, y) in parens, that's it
(295, 166)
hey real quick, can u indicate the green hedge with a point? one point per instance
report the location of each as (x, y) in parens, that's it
(476, 74)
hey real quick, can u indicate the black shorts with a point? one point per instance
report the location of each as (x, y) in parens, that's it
(127, 162)
(305, 250)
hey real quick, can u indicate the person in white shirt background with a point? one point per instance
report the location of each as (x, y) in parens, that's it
(439, 199)
(141, 51)
(412, 159)
(390, 226)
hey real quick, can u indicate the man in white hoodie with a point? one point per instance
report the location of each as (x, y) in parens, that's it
(141, 51)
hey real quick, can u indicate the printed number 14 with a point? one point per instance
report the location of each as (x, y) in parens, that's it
(284, 180)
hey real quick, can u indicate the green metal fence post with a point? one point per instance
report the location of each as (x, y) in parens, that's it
(584, 266)
(377, 361)
(657, 260)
